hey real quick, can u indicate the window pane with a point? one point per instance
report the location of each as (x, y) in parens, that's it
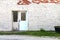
(15, 16)
(23, 16)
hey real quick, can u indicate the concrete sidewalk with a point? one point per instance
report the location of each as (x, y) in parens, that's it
(24, 37)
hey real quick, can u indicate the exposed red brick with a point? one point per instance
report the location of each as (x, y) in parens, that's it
(58, 1)
(26, 2)
(23, 2)
(36, 1)
(52, 1)
(44, 1)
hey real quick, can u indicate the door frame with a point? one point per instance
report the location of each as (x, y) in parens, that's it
(27, 18)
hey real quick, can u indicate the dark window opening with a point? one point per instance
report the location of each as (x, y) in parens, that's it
(15, 16)
(23, 16)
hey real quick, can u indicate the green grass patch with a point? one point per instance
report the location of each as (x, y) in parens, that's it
(34, 33)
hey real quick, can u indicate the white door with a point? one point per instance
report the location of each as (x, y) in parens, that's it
(20, 20)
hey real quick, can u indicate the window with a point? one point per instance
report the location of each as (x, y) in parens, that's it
(23, 16)
(15, 16)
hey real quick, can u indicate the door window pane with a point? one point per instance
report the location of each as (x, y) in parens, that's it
(15, 16)
(23, 16)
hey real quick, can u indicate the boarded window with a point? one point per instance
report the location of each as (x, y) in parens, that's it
(23, 16)
(15, 16)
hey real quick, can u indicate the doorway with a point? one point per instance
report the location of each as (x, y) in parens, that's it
(20, 20)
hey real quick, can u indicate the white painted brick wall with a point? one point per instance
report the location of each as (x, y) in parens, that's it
(41, 15)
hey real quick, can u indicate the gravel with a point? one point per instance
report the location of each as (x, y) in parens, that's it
(25, 37)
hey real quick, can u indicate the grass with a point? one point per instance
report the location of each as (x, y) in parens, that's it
(34, 33)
